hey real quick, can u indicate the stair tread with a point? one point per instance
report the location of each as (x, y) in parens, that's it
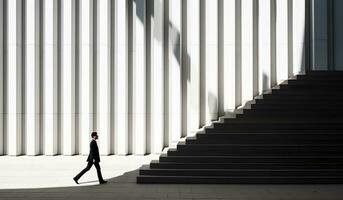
(269, 133)
(246, 170)
(254, 156)
(241, 163)
(259, 177)
(260, 145)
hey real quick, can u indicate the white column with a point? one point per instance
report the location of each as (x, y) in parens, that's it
(173, 62)
(86, 77)
(192, 58)
(14, 77)
(68, 78)
(290, 37)
(264, 49)
(138, 79)
(299, 20)
(282, 57)
(2, 77)
(121, 77)
(255, 77)
(231, 61)
(273, 78)
(247, 50)
(210, 96)
(156, 73)
(50, 78)
(103, 77)
(32, 73)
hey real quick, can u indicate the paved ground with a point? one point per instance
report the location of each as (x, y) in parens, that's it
(43, 177)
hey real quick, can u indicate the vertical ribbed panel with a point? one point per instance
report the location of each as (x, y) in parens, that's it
(282, 56)
(290, 37)
(50, 77)
(229, 54)
(68, 80)
(155, 71)
(138, 78)
(14, 76)
(255, 77)
(273, 42)
(264, 48)
(247, 50)
(143, 73)
(238, 59)
(209, 68)
(121, 77)
(2, 30)
(299, 36)
(103, 76)
(32, 76)
(173, 73)
(85, 77)
(191, 72)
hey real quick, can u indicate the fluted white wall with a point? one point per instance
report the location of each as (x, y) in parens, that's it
(143, 73)
(2, 77)
(86, 80)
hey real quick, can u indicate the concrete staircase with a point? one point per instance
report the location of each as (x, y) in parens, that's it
(292, 134)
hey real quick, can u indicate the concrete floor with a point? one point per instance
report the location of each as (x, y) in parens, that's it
(44, 177)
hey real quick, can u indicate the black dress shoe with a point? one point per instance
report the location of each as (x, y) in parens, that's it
(102, 182)
(75, 180)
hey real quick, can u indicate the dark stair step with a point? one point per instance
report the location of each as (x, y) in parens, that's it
(280, 120)
(257, 149)
(285, 132)
(264, 139)
(255, 136)
(271, 130)
(305, 92)
(301, 97)
(275, 117)
(294, 159)
(255, 152)
(319, 78)
(146, 170)
(321, 74)
(313, 103)
(292, 114)
(295, 111)
(258, 125)
(313, 86)
(328, 83)
(241, 179)
(248, 147)
(304, 108)
(256, 165)
(271, 116)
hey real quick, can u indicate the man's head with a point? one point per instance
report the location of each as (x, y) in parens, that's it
(94, 135)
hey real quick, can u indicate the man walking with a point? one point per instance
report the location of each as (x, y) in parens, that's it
(93, 158)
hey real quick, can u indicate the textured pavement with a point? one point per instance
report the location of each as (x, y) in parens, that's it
(44, 177)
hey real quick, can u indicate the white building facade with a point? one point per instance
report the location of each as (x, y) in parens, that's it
(144, 73)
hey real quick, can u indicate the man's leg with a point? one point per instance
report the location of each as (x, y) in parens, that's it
(98, 170)
(89, 165)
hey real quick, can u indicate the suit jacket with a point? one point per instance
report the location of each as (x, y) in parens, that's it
(94, 152)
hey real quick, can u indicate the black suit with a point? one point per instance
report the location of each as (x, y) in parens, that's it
(93, 158)
(93, 152)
